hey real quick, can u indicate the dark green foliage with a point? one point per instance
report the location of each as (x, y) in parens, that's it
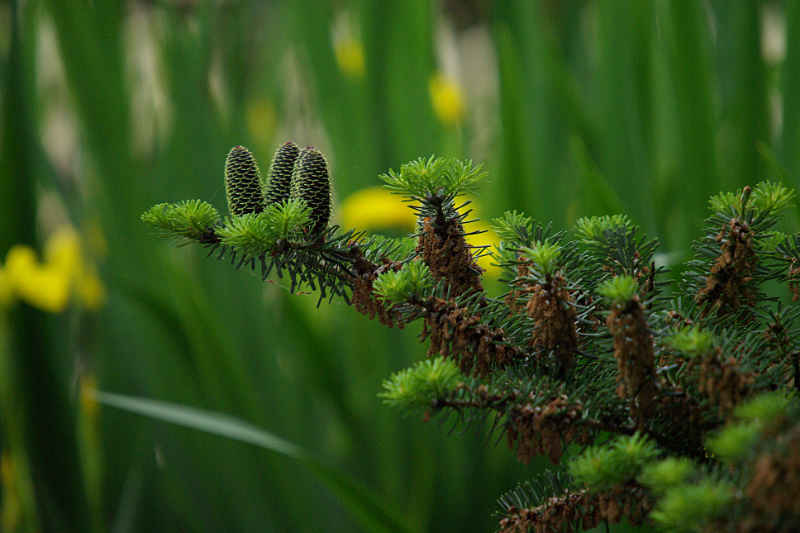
(616, 245)
(600, 107)
(280, 172)
(587, 341)
(727, 274)
(243, 182)
(311, 183)
(535, 492)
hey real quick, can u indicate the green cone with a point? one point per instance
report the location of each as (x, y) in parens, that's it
(280, 173)
(310, 182)
(243, 182)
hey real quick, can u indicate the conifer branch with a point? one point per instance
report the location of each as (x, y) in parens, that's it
(589, 339)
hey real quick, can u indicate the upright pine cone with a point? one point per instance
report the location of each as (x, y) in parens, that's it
(310, 183)
(243, 182)
(280, 172)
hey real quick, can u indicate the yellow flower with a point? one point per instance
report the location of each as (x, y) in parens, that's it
(20, 260)
(447, 99)
(376, 208)
(46, 288)
(64, 254)
(62, 251)
(41, 286)
(350, 57)
(48, 285)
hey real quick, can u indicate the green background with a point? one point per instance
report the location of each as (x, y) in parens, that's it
(576, 108)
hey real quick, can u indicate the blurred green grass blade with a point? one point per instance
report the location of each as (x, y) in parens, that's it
(12, 428)
(91, 47)
(537, 108)
(321, 368)
(791, 87)
(369, 511)
(595, 195)
(683, 48)
(128, 502)
(400, 59)
(774, 169)
(186, 51)
(215, 423)
(742, 88)
(515, 162)
(33, 371)
(17, 159)
(624, 39)
(153, 304)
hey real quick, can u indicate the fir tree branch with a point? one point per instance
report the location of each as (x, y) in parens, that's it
(588, 339)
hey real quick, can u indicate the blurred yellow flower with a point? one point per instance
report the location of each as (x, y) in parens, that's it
(375, 208)
(350, 57)
(20, 259)
(447, 99)
(261, 120)
(62, 251)
(45, 288)
(48, 285)
(42, 286)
